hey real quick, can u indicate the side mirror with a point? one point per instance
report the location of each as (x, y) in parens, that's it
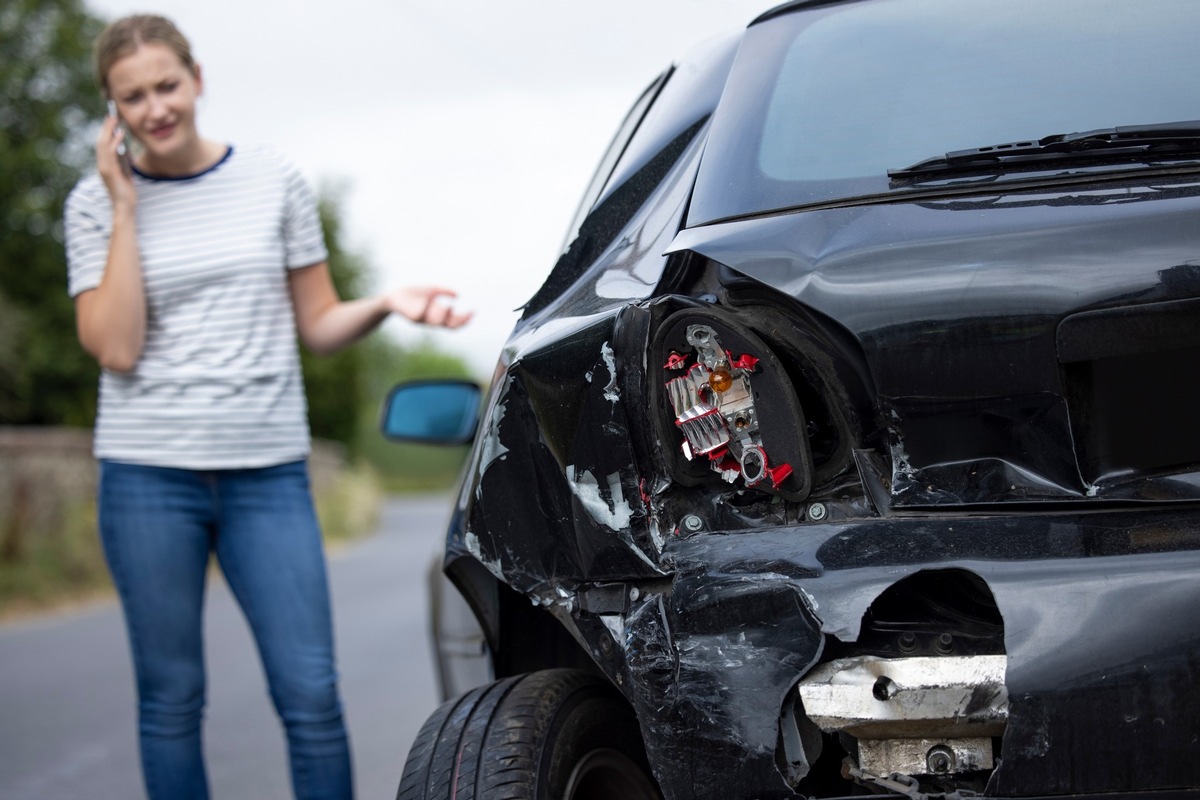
(432, 412)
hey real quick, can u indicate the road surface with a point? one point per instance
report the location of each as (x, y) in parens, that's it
(67, 724)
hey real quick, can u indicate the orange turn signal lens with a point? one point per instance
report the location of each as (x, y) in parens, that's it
(720, 380)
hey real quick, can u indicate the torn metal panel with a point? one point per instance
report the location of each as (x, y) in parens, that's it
(1093, 634)
(908, 698)
(925, 756)
(581, 469)
(709, 669)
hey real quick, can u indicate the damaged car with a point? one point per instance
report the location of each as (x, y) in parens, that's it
(851, 446)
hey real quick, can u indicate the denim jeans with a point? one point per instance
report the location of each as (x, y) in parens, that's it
(158, 526)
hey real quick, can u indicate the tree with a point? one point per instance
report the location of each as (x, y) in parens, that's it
(334, 383)
(49, 107)
(346, 389)
(48, 100)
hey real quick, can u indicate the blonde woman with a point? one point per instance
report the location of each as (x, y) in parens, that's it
(192, 272)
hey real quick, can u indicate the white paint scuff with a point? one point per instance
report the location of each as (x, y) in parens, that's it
(611, 393)
(491, 448)
(472, 543)
(615, 513)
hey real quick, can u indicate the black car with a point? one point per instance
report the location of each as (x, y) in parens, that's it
(852, 444)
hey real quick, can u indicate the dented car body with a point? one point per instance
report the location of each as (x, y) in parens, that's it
(854, 481)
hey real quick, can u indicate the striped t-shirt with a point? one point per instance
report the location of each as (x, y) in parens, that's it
(218, 385)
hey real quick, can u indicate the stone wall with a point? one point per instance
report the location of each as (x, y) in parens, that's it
(45, 474)
(49, 473)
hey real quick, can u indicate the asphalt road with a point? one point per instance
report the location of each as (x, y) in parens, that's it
(67, 725)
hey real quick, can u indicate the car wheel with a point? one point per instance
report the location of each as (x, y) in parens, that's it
(550, 735)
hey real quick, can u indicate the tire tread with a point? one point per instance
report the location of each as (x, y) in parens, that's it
(495, 742)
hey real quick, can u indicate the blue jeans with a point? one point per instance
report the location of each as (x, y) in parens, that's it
(158, 526)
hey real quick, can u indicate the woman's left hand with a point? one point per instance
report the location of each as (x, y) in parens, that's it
(424, 304)
(327, 324)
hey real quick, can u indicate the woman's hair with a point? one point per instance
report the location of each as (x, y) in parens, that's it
(123, 37)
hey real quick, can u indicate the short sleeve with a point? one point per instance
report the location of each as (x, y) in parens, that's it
(304, 243)
(87, 225)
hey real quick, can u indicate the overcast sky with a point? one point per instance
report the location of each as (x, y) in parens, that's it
(463, 132)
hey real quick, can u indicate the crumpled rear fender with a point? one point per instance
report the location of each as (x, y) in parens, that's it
(1102, 641)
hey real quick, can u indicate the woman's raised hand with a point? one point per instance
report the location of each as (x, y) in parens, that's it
(118, 182)
(424, 304)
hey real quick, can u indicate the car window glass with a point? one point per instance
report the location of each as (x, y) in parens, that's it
(609, 160)
(656, 132)
(822, 102)
(690, 96)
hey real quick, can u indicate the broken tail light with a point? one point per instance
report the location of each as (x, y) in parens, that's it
(732, 406)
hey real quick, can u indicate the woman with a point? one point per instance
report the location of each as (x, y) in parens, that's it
(192, 273)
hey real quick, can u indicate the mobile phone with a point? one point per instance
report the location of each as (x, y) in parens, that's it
(122, 146)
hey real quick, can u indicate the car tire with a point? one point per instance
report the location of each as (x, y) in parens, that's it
(550, 735)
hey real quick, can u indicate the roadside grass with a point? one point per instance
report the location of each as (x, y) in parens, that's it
(349, 508)
(55, 571)
(64, 569)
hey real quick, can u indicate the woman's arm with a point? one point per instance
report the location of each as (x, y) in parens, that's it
(111, 319)
(327, 324)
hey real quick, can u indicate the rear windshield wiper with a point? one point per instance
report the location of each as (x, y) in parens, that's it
(1133, 142)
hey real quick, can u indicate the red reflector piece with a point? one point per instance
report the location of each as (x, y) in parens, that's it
(744, 361)
(779, 474)
(729, 464)
(718, 454)
(675, 361)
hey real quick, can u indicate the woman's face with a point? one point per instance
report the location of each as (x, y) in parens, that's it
(156, 97)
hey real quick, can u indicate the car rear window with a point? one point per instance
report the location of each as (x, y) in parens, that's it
(823, 101)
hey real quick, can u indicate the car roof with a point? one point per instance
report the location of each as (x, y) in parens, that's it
(796, 4)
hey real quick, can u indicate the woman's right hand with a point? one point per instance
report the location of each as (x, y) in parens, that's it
(116, 180)
(111, 319)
